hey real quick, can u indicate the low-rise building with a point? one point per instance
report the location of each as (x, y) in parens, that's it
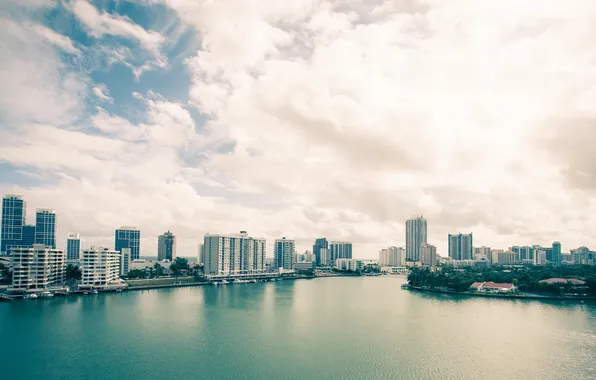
(304, 265)
(101, 268)
(349, 264)
(35, 268)
(493, 287)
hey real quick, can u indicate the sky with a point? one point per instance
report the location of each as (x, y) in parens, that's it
(303, 119)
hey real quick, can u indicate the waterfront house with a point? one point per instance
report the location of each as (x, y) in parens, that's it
(493, 287)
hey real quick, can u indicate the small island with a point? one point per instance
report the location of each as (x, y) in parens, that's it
(529, 282)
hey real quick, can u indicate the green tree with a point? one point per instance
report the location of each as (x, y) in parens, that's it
(179, 265)
(5, 274)
(73, 272)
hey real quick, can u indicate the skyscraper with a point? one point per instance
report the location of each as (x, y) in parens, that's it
(340, 250)
(416, 235)
(461, 247)
(14, 210)
(320, 243)
(201, 254)
(166, 247)
(283, 253)
(128, 237)
(28, 236)
(556, 254)
(392, 257)
(428, 255)
(45, 227)
(101, 268)
(73, 247)
(234, 253)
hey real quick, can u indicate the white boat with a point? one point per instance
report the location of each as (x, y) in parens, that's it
(223, 282)
(94, 292)
(47, 294)
(31, 296)
(253, 281)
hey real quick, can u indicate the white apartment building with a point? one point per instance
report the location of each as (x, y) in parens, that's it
(349, 264)
(125, 261)
(392, 257)
(283, 253)
(36, 268)
(325, 256)
(101, 267)
(233, 254)
(428, 255)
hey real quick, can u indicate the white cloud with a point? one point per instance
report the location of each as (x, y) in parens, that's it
(327, 118)
(100, 23)
(102, 92)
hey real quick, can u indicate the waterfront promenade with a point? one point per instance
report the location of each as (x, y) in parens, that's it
(525, 296)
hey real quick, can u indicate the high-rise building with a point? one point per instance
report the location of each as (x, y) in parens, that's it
(36, 268)
(128, 237)
(233, 254)
(508, 257)
(320, 243)
(556, 254)
(45, 227)
(526, 253)
(283, 253)
(73, 247)
(416, 237)
(324, 256)
(392, 257)
(28, 236)
(340, 250)
(201, 254)
(349, 264)
(580, 256)
(482, 253)
(14, 210)
(125, 261)
(461, 247)
(166, 247)
(101, 268)
(428, 255)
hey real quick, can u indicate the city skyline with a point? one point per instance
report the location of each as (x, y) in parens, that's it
(131, 118)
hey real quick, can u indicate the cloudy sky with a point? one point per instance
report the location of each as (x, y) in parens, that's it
(303, 118)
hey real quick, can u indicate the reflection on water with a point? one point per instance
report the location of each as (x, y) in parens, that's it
(335, 328)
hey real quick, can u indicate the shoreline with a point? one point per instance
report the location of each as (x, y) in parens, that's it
(502, 296)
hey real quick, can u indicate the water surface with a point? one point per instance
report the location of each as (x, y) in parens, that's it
(328, 328)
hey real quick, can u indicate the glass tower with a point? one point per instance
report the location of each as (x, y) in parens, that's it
(415, 237)
(14, 210)
(320, 243)
(73, 247)
(128, 237)
(45, 227)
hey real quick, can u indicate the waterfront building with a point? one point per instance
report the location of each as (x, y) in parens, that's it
(461, 247)
(73, 247)
(428, 255)
(14, 210)
(125, 261)
(305, 257)
(201, 254)
(556, 254)
(128, 237)
(233, 254)
(493, 287)
(320, 243)
(166, 247)
(283, 253)
(340, 250)
(45, 227)
(35, 268)
(324, 256)
(304, 265)
(349, 264)
(416, 235)
(392, 257)
(101, 268)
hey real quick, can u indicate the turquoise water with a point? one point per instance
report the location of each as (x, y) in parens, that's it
(334, 328)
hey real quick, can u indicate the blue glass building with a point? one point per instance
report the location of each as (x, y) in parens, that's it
(128, 237)
(320, 243)
(556, 255)
(73, 247)
(28, 236)
(14, 210)
(45, 227)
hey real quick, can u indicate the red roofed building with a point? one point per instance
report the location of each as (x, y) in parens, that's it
(493, 287)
